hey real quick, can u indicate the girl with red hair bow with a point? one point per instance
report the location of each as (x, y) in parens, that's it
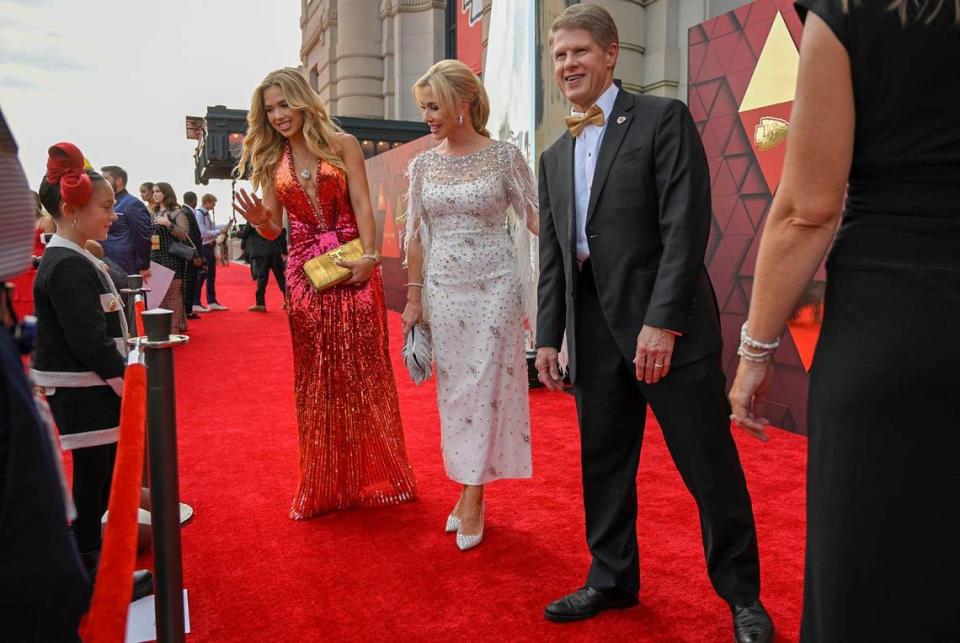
(81, 336)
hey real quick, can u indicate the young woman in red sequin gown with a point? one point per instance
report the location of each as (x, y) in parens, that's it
(351, 440)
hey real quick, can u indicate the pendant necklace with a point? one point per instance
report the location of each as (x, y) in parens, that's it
(305, 174)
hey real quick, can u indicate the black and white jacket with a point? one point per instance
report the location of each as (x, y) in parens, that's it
(81, 344)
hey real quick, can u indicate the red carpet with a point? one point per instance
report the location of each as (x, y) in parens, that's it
(392, 574)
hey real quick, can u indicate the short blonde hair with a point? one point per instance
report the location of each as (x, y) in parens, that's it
(452, 82)
(590, 17)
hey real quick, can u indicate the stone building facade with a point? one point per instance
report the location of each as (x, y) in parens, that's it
(362, 56)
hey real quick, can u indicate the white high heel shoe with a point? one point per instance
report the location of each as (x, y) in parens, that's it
(465, 542)
(453, 524)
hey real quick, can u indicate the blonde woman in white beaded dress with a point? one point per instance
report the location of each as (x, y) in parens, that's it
(472, 205)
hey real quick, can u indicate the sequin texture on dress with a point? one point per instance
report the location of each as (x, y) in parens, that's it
(352, 451)
(470, 214)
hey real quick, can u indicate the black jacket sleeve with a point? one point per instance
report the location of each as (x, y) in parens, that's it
(551, 290)
(141, 231)
(683, 192)
(74, 290)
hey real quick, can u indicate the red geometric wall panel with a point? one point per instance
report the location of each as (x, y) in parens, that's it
(742, 76)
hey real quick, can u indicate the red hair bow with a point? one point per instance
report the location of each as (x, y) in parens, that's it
(65, 166)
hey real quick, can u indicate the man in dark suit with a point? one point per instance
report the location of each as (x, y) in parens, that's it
(266, 256)
(189, 208)
(128, 243)
(624, 221)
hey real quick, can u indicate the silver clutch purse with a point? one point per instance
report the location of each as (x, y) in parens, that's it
(418, 353)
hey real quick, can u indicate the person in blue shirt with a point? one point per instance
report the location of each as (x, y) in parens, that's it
(209, 233)
(128, 243)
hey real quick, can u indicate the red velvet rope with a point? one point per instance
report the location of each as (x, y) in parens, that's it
(106, 622)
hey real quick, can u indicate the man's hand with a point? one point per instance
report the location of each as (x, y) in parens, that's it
(548, 367)
(654, 352)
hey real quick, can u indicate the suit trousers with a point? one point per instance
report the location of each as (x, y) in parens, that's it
(92, 476)
(262, 267)
(208, 276)
(189, 287)
(693, 411)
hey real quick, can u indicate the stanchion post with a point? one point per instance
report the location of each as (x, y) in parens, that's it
(136, 293)
(164, 479)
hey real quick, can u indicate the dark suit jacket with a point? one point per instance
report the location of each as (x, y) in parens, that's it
(195, 235)
(258, 246)
(128, 242)
(647, 226)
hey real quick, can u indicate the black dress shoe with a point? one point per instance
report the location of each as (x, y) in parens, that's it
(587, 603)
(752, 624)
(142, 583)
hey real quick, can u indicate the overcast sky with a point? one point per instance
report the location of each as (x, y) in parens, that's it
(117, 77)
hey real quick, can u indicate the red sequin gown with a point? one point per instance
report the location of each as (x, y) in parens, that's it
(352, 452)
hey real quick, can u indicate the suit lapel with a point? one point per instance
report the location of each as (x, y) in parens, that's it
(567, 159)
(617, 126)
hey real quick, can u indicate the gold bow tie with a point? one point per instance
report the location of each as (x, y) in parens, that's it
(593, 116)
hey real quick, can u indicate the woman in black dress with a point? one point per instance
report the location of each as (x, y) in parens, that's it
(875, 114)
(170, 224)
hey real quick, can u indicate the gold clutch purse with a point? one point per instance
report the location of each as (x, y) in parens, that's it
(323, 270)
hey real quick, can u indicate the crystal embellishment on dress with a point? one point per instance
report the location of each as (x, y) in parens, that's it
(470, 215)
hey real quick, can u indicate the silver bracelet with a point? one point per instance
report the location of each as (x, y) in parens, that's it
(257, 226)
(756, 358)
(414, 284)
(753, 343)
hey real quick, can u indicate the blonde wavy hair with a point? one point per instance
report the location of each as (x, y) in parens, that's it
(451, 82)
(263, 145)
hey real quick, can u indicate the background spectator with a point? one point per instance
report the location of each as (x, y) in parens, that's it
(209, 231)
(195, 266)
(44, 589)
(128, 244)
(265, 256)
(170, 224)
(146, 195)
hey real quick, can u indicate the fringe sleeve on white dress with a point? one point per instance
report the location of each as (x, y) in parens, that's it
(416, 225)
(525, 207)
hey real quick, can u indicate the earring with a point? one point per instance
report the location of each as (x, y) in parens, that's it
(73, 223)
(459, 119)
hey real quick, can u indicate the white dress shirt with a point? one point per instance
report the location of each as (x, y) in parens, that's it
(585, 163)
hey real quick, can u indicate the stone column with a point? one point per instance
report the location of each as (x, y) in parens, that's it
(358, 58)
(413, 39)
(318, 25)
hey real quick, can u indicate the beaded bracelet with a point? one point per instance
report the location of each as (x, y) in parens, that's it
(753, 343)
(756, 358)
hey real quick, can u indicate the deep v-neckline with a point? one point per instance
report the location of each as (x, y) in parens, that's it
(313, 200)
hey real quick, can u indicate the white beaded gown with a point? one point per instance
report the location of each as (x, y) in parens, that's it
(471, 215)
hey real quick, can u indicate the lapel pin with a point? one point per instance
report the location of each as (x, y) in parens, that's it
(621, 119)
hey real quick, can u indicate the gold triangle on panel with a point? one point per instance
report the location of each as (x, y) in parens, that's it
(775, 78)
